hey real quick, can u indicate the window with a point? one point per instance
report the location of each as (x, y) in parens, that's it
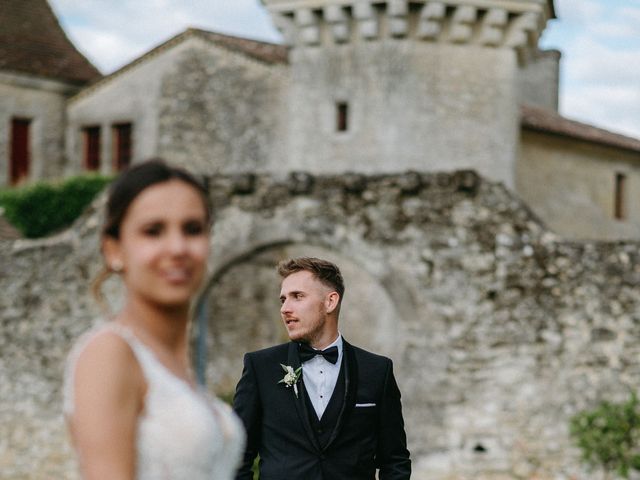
(20, 155)
(121, 146)
(620, 207)
(342, 116)
(91, 148)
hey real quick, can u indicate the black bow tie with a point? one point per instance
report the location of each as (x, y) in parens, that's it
(307, 353)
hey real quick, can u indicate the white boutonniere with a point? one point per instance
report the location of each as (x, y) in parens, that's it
(291, 377)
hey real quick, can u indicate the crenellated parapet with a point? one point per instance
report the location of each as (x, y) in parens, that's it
(494, 23)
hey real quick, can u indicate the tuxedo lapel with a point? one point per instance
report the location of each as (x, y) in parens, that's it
(350, 366)
(301, 405)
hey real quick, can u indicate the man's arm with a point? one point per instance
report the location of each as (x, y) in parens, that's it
(246, 404)
(392, 457)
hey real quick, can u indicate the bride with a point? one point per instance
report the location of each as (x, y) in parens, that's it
(131, 403)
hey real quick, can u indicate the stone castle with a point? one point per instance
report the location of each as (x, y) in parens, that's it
(361, 86)
(415, 143)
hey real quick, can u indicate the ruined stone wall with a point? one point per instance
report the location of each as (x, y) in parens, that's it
(499, 331)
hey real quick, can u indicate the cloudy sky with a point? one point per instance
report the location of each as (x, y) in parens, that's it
(599, 40)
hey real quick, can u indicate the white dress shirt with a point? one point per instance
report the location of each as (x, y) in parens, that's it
(320, 377)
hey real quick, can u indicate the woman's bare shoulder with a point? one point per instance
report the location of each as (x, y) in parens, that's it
(107, 358)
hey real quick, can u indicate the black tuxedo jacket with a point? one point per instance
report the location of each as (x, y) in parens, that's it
(368, 435)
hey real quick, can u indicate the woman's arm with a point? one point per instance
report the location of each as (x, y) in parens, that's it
(109, 389)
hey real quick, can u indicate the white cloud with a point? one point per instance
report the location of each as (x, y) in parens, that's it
(593, 62)
(632, 14)
(600, 69)
(616, 109)
(616, 30)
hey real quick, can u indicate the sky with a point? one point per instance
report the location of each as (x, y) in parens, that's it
(599, 41)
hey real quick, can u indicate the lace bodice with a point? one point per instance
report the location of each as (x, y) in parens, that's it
(182, 434)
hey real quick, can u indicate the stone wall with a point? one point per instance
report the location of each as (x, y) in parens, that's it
(499, 331)
(219, 111)
(429, 106)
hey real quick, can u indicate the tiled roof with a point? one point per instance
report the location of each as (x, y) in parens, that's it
(271, 53)
(263, 51)
(33, 42)
(542, 120)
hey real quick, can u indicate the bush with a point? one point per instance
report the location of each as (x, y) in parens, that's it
(609, 436)
(43, 208)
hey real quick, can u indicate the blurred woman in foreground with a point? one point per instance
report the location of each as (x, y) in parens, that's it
(133, 408)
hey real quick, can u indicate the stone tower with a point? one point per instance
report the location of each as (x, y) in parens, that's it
(388, 85)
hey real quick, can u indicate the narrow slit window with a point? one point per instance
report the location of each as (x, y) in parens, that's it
(91, 148)
(342, 117)
(20, 152)
(620, 207)
(122, 145)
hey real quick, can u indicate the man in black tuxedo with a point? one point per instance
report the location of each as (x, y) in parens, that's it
(318, 408)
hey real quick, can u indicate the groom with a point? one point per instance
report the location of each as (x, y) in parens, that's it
(318, 408)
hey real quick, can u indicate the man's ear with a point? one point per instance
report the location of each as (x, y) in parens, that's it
(332, 301)
(112, 254)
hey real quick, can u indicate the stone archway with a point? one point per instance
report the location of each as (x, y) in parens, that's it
(242, 309)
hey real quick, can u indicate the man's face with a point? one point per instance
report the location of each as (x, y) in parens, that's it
(303, 309)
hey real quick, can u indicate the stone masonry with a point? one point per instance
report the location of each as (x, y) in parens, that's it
(499, 331)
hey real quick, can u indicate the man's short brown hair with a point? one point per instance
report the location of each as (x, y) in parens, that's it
(326, 272)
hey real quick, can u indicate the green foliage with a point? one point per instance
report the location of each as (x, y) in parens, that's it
(43, 208)
(254, 469)
(609, 436)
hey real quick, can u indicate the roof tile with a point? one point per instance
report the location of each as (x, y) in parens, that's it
(33, 42)
(543, 120)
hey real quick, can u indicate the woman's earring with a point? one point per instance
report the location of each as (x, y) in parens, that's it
(116, 266)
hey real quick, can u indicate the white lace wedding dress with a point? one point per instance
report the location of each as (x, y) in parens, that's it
(182, 434)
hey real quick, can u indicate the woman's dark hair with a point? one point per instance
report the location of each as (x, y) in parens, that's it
(131, 182)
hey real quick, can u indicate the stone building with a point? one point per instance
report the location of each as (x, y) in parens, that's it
(364, 86)
(204, 100)
(39, 70)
